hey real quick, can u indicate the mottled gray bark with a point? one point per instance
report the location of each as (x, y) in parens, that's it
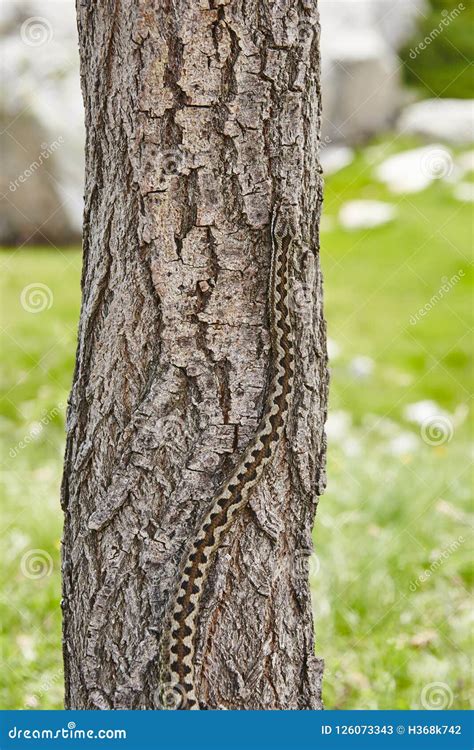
(200, 117)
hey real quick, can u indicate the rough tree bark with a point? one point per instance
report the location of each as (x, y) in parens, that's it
(200, 117)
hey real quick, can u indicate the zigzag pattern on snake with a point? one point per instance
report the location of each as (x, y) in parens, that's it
(178, 648)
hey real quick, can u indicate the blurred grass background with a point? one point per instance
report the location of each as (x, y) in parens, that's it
(394, 505)
(443, 68)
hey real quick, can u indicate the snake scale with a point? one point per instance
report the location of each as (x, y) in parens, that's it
(178, 688)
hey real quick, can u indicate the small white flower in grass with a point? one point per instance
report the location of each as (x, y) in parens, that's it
(465, 161)
(464, 192)
(26, 644)
(361, 366)
(338, 425)
(334, 350)
(366, 214)
(403, 444)
(419, 411)
(335, 158)
(352, 447)
(414, 170)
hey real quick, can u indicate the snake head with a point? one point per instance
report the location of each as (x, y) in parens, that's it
(284, 224)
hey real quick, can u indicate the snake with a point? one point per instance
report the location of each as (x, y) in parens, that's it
(178, 689)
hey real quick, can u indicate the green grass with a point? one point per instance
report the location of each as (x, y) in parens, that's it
(444, 66)
(36, 376)
(395, 505)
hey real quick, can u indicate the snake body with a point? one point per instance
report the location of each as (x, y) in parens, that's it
(178, 650)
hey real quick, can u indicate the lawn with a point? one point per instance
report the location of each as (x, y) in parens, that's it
(391, 570)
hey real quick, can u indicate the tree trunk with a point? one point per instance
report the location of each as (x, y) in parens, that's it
(201, 117)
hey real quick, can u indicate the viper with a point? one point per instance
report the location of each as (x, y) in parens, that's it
(178, 688)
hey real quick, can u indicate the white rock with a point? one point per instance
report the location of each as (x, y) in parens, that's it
(464, 191)
(352, 447)
(361, 366)
(419, 411)
(465, 161)
(334, 350)
(41, 98)
(338, 425)
(360, 68)
(366, 214)
(361, 88)
(335, 158)
(413, 170)
(450, 120)
(404, 443)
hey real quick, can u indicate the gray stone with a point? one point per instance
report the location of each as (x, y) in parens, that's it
(450, 120)
(362, 91)
(42, 124)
